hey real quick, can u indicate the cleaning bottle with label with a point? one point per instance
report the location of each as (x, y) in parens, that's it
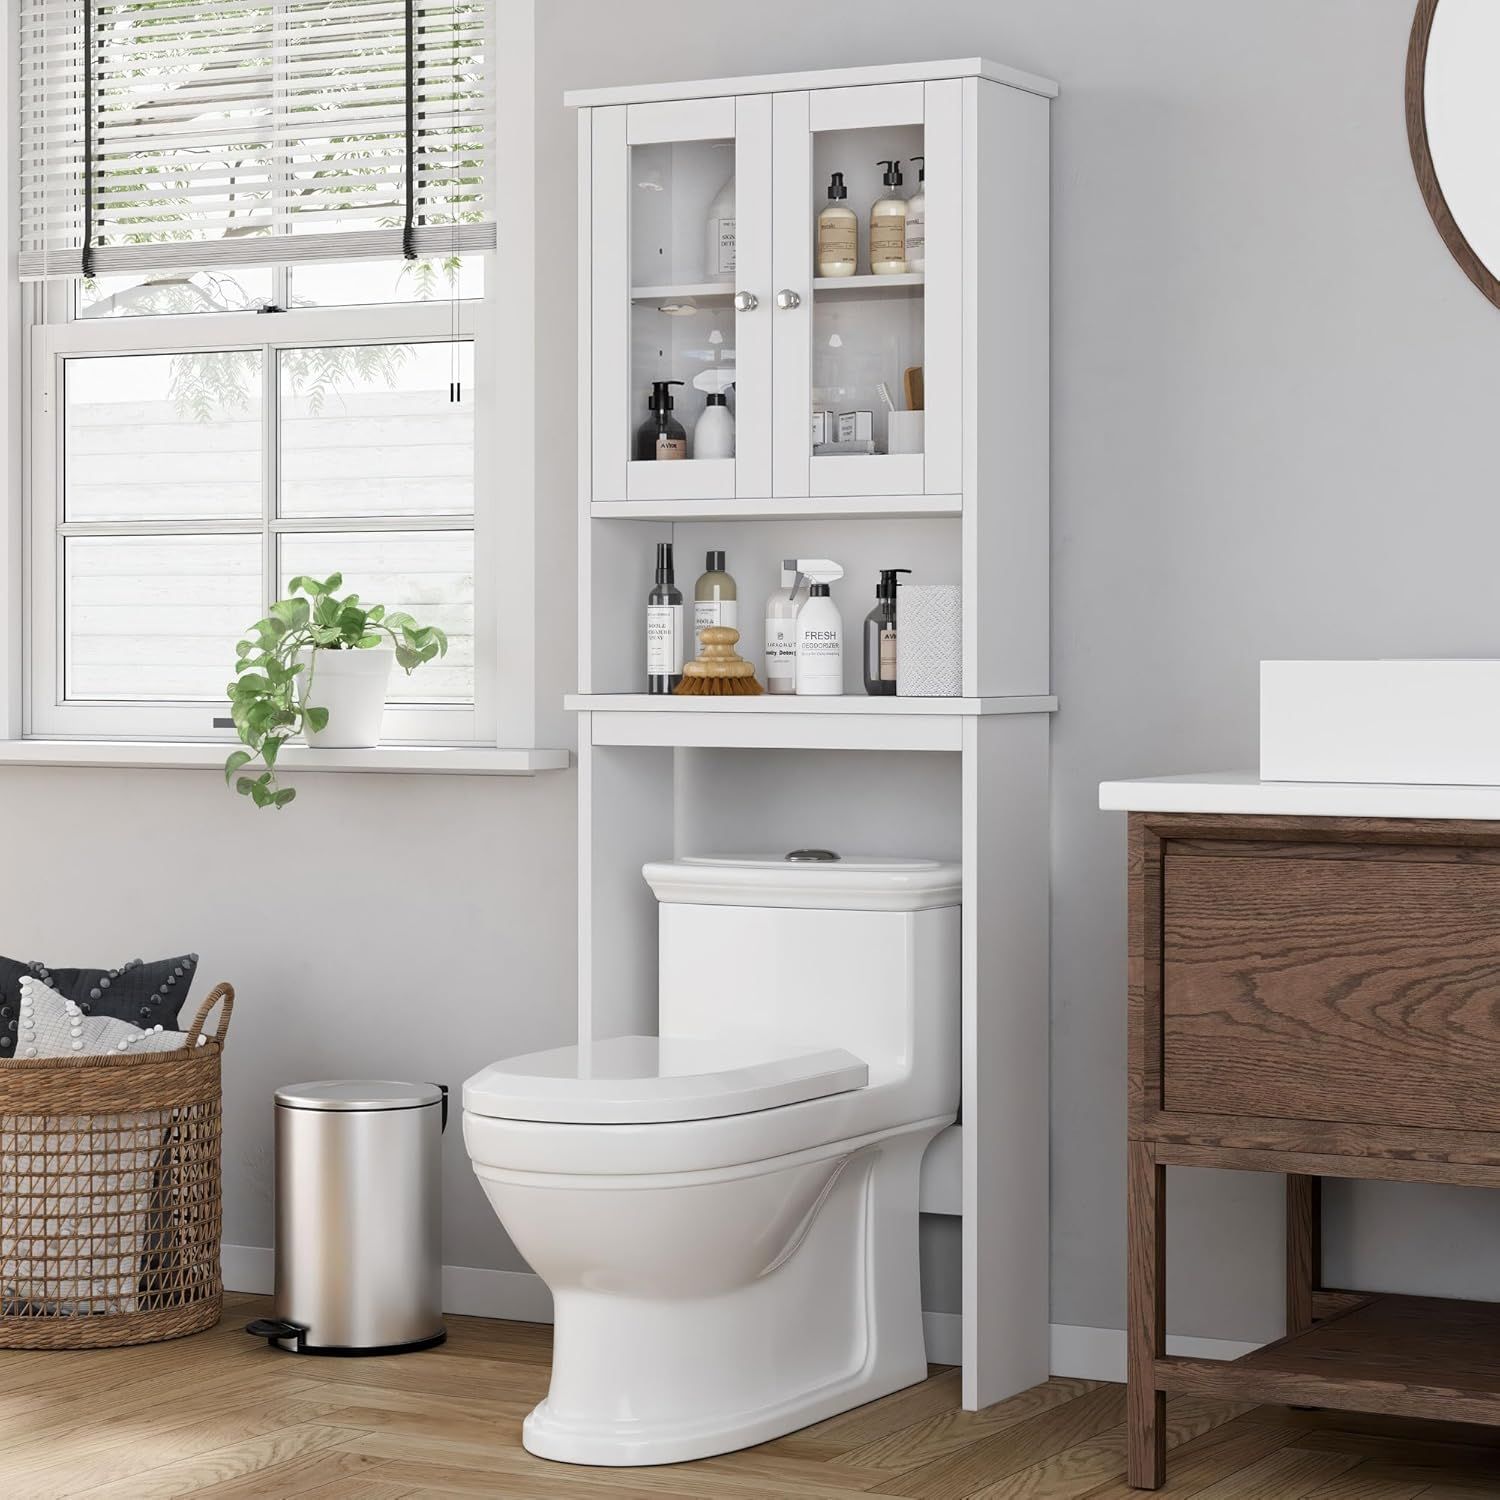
(713, 433)
(782, 609)
(888, 226)
(718, 244)
(820, 636)
(838, 233)
(716, 599)
(661, 435)
(664, 626)
(880, 637)
(916, 221)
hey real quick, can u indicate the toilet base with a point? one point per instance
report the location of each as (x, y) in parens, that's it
(822, 1314)
(602, 1444)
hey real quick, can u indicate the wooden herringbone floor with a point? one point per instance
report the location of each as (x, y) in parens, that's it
(222, 1415)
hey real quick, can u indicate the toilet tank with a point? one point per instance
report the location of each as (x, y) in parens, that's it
(858, 953)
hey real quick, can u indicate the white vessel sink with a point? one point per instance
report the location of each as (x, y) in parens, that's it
(1427, 723)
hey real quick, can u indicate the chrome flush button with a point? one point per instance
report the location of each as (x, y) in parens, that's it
(811, 857)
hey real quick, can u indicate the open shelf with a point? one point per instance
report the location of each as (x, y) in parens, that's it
(1404, 1356)
(908, 284)
(699, 291)
(790, 705)
(808, 508)
(790, 723)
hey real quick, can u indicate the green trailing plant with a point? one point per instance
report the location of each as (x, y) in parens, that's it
(266, 698)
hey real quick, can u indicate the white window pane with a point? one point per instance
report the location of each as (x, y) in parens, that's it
(373, 430)
(157, 616)
(361, 282)
(163, 436)
(175, 293)
(430, 574)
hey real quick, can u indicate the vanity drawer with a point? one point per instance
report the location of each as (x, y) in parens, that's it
(1349, 983)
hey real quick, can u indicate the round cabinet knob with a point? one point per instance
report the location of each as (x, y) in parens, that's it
(746, 301)
(786, 299)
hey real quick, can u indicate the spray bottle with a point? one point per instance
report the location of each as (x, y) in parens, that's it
(782, 609)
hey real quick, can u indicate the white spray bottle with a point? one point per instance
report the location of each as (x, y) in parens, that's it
(820, 634)
(782, 609)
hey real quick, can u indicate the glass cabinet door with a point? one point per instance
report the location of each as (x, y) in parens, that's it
(867, 267)
(680, 318)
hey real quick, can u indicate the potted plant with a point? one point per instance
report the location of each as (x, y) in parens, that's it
(317, 664)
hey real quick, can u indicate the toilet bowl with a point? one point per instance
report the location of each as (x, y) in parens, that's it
(726, 1213)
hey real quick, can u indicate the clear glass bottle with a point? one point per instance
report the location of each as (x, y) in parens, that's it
(888, 226)
(838, 233)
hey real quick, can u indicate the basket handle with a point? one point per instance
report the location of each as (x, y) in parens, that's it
(220, 992)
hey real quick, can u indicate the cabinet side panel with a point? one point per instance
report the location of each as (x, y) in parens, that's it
(943, 294)
(585, 388)
(1006, 421)
(609, 272)
(1005, 1056)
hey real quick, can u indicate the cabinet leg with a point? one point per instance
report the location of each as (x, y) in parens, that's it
(1146, 1322)
(1304, 1249)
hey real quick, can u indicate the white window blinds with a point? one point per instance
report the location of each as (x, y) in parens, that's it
(164, 135)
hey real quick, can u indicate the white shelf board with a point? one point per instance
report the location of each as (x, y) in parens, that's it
(907, 284)
(1243, 792)
(825, 78)
(449, 760)
(789, 723)
(813, 508)
(719, 290)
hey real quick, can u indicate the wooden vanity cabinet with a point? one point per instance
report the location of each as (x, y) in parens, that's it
(1318, 997)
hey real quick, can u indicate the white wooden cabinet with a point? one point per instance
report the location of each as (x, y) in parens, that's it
(790, 341)
(964, 777)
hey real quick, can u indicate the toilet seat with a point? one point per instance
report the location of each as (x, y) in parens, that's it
(648, 1080)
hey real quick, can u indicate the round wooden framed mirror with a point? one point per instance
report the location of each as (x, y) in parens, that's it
(1453, 123)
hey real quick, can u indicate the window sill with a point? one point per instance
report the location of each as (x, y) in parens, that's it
(441, 760)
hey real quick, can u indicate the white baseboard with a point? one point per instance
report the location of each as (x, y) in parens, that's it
(1082, 1353)
(1099, 1353)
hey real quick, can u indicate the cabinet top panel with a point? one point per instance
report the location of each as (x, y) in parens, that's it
(1245, 792)
(826, 78)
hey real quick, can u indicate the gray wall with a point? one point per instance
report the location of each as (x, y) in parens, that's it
(1273, 391)
(1273, 435)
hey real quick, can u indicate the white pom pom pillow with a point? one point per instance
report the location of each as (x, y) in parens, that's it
(53, 1027)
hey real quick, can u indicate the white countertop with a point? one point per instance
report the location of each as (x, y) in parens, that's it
(1245, 792)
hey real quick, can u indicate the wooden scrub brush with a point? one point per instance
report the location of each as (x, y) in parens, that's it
(719, 670)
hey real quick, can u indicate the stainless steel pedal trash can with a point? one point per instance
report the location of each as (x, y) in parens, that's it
(358, 1218)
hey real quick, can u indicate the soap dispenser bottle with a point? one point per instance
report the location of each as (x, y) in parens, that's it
(916, 221)
(661, 435)
(888, 226)
(880, 637)
(838, 233)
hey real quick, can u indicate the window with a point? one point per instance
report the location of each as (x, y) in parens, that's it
(261, 331)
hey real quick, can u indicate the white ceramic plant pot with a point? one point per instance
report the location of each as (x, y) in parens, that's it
(351, 685)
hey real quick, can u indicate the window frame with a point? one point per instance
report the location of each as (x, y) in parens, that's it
(56, 335)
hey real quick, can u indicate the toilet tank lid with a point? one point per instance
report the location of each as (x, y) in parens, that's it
(847, 883)
(640, 1080)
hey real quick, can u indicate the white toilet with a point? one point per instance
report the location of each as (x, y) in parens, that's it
(726, 1213)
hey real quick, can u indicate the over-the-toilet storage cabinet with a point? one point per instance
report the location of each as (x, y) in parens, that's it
(958, 777)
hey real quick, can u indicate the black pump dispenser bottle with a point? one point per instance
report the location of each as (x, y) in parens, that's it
(661, 435)
(880, 637)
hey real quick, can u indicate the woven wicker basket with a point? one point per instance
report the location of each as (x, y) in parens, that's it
(110, 1203)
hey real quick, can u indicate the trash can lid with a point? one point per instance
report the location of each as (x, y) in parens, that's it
(356, 1094)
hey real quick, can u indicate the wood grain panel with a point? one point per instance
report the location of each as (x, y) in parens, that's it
(1349, 990)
